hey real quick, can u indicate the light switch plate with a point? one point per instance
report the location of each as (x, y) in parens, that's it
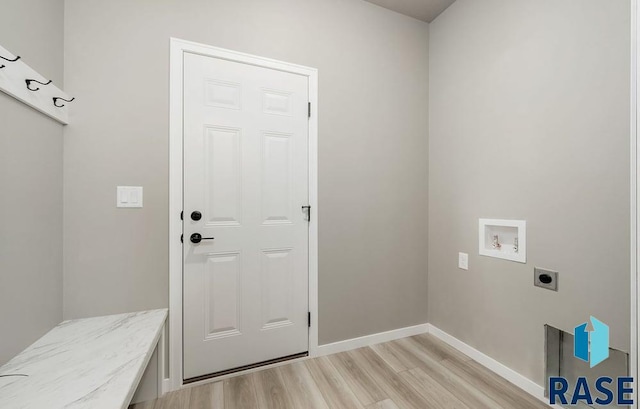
(463, 261)
(129, 196)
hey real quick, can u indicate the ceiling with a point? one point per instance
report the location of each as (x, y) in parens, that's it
(425, 10)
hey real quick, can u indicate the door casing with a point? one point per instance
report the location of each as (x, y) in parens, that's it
(634, 240)
(177, 51)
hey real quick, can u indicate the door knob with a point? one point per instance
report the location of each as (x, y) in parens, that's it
(196, 215)
(197, 238)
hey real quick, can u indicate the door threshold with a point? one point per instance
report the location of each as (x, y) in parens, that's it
(244, 368)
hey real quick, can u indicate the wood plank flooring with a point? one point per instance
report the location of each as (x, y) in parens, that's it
(419, 372)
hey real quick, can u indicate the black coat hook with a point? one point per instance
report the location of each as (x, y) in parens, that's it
(29, 81)
(8, 59)
(55, 101)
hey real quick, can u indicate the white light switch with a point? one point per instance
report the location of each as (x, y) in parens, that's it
(129, 196)
(463, 261)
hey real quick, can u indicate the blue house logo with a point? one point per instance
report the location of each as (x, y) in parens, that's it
(591, 346)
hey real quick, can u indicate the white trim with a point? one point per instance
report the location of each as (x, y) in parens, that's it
(178, 48)
(367, 340)
(166, 386)
(635, 199)
(313, 202)
(502, 370)
(507, 373)
(160, 349)
(175, 224)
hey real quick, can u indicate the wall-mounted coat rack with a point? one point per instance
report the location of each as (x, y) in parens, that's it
(25, 84)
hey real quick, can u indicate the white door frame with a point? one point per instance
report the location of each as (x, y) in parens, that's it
(634, 355)
(178, 49)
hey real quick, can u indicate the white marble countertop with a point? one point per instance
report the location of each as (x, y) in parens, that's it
(93, 363)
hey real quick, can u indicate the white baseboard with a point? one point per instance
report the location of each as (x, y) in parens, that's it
(367, 340)
(507, 373)
(166, 386)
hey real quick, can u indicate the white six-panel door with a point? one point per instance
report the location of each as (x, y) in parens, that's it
(246, 172)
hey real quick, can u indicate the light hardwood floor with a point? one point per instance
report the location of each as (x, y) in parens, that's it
(419, 372)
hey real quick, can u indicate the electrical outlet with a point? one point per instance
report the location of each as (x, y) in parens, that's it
(546, 279)
(463, 261)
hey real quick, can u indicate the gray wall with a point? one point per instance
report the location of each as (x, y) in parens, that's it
(372, 157)
(30, 182)
(529, 119)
